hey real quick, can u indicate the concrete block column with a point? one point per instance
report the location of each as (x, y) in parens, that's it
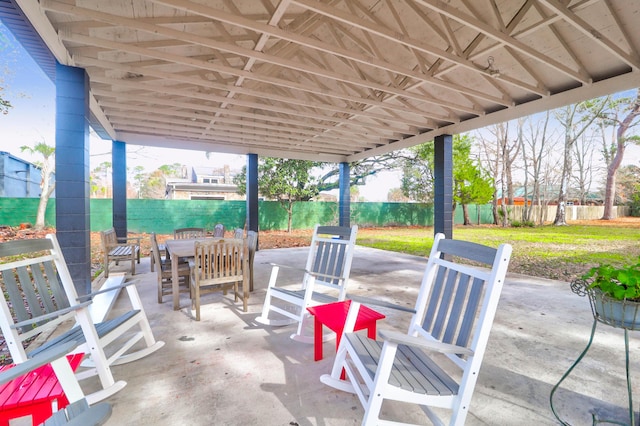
(252, 192)
(443, 185)
(119, 184)
(73, 224)
(344, 202)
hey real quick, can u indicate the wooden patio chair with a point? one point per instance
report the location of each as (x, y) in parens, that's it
(77, 412)
(218, 231)
(219, 264)
(162, 252)
(453, 316)
(325, 280)
(118, 249)
(186, 233)
(238, 233)
(164, 272)
(41, 297)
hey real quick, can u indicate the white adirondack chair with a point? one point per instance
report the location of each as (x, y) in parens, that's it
(78, 412)
(41, 297)
(452, 316)
(325, 280)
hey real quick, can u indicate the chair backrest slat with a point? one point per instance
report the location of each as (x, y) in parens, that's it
(471, 313)
(15, 295)
(55, 286)
(29, 290)
(32, 284)
(458, 308)
(220, 259)
(449, 308)
(330, 256)
(187, 233)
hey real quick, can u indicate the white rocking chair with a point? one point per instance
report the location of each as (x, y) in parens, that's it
(41, 296)
(453, 316)
(325, 280)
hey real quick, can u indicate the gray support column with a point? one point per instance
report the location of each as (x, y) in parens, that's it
(443, 186)
(73, 225)
(252, 192)
(119, 184)
(344, 202)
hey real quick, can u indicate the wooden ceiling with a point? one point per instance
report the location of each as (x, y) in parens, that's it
(333, 80)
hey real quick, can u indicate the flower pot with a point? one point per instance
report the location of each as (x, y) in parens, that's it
(614, 312)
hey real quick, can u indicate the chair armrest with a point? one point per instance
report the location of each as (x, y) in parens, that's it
(381, 303)
(115, 287)
(50, 315)
(39, 360)
(431, 345)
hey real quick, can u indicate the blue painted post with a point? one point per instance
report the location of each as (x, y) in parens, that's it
(119, 184)
(443, 186)
(344, 203)
(73, 223)
(252, 192)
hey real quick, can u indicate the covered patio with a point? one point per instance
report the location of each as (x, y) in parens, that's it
(335, 81)
(227, 369)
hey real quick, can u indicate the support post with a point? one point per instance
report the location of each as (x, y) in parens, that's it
(344, 203)
(73, 222)
(443, 186)
(119, 184)
(252, 192)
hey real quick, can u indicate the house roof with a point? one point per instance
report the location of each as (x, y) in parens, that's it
(332, 80)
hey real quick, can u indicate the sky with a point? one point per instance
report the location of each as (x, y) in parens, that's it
(32, 120)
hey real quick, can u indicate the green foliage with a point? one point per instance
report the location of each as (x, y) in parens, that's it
(621, 283)
(287, 181)
(472, 184)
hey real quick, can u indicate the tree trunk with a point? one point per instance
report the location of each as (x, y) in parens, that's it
(610, 186)
(290, 216)
(42, 206)
(465, 214)
(612, 168)
(560, 219)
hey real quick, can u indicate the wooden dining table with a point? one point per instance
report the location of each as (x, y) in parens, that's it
(179, 249)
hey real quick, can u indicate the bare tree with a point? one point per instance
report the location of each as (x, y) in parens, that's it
(532, 148)
(508, 150)
(575, 119)
(583, 151)
(490, 159)
(614, 156)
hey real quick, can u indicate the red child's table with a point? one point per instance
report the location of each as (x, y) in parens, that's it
(37, 393)
(334, 315)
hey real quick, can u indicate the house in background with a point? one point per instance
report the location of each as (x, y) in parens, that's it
(204, 183)
(19, 178)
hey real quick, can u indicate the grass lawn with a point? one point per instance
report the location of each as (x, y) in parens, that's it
(556, 252)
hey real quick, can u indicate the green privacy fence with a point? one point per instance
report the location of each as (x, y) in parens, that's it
(163, 216)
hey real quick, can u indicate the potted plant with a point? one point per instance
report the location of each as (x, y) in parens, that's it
(614, 293)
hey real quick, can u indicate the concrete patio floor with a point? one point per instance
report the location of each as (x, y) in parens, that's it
(229, 370)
